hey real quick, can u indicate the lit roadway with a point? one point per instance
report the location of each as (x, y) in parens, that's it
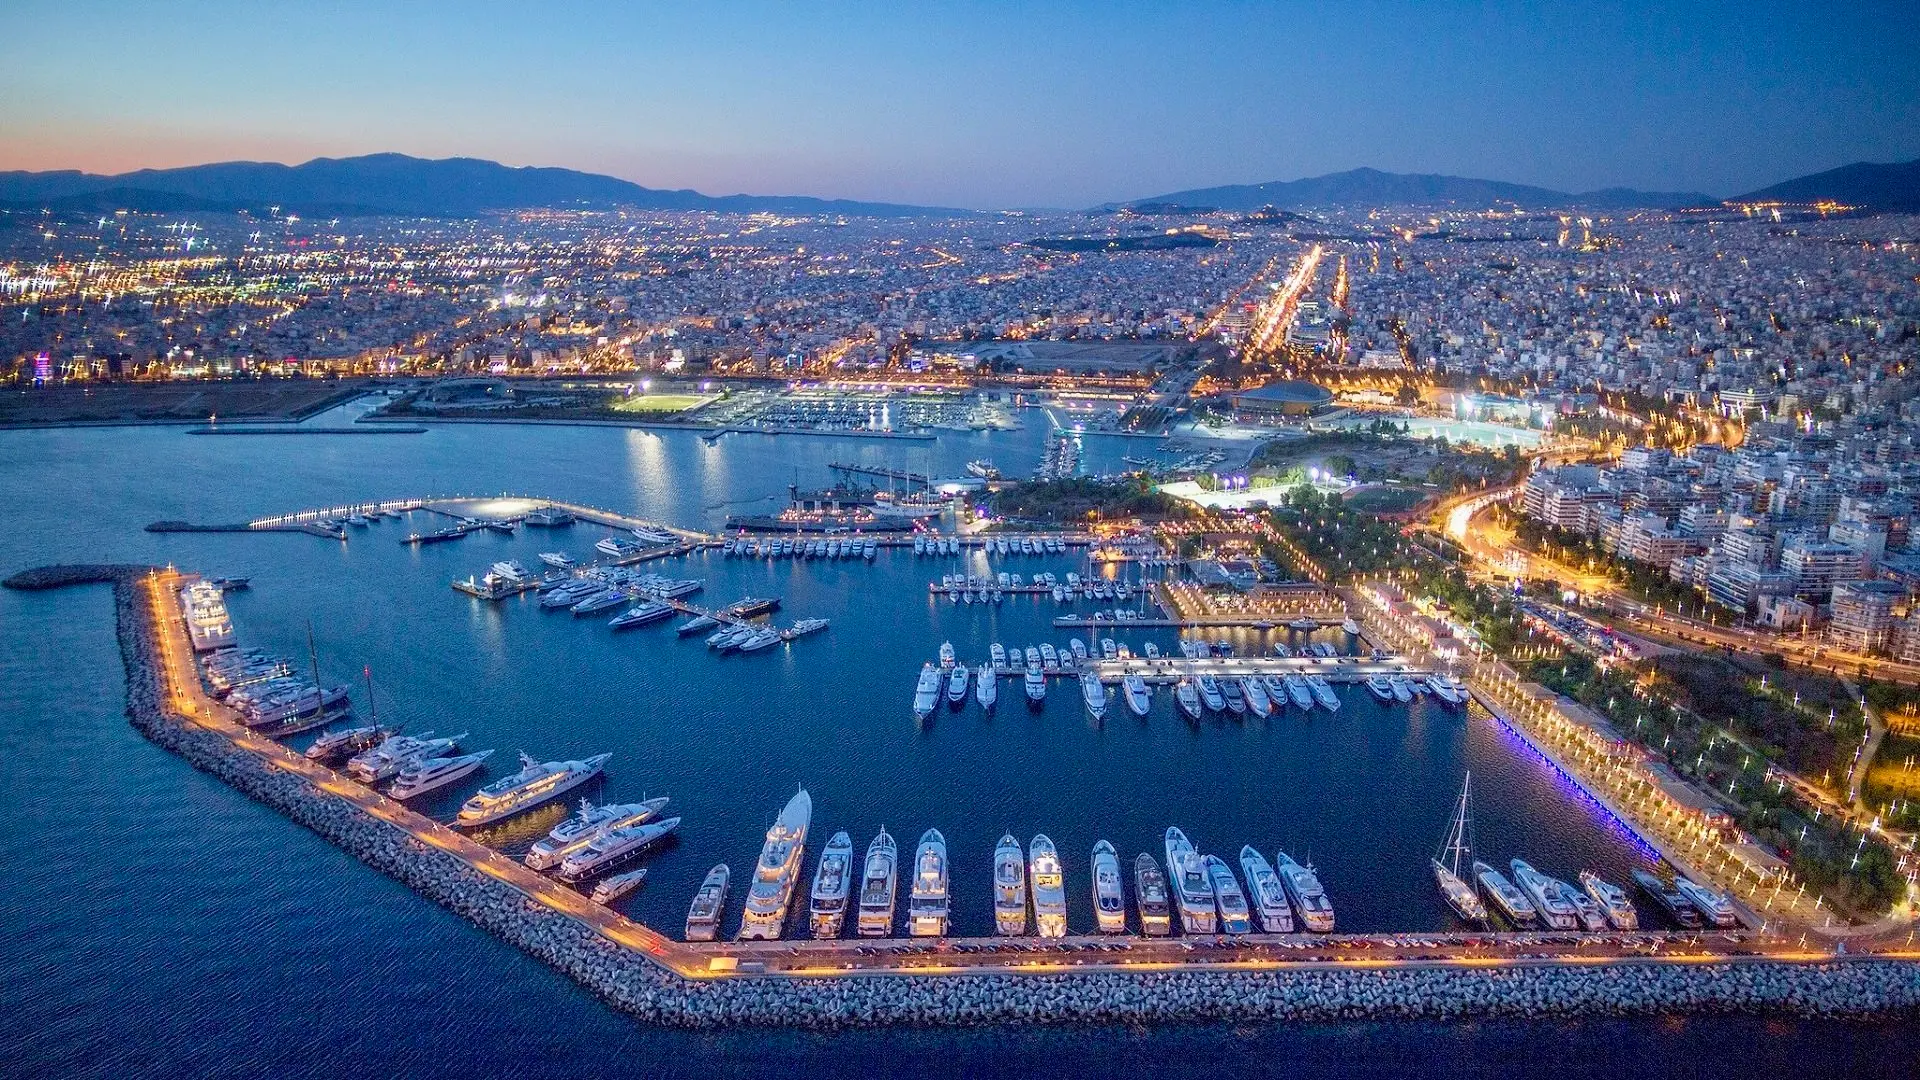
(188, 700)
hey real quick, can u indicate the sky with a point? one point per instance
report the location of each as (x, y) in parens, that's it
(976, 105)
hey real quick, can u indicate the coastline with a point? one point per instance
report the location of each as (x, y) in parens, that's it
(632, 983)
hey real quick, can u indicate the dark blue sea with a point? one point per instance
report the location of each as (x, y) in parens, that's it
(160, 924)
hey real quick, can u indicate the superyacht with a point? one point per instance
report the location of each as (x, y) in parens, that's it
(1232, 902)
(1109, 896)
(1048, 886)
(832, 882)
(1150, 894)
(1303, 888)
(337, 744)
(651, 611)
(536, 784)
(1192, 890)
(709, 903)
(1555, 907)
(432, 774)
(765, 913)
(579, 830)
(879, 879)
(398, 752)
(1009, 888)
(609, 849)
(1269, 895)
(928, 902)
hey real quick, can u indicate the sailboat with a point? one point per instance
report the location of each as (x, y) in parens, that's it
(1458, 850)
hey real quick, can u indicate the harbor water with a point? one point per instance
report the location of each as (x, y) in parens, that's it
(179, 929)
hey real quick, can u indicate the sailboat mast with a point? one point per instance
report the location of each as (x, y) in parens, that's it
(313, 655)
(373, 707)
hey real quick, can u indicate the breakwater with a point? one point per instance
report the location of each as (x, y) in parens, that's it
(631, 982)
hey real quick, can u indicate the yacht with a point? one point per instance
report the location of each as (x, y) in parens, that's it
(432, 774)
(1079, 650)
(946, 654)
(1139, 697)
(598, 602)
(1402, 689)
(613, 847)
(1555, 908)
(1187, 697)
(579, 830)
(398, 752)
(1109, 650)
(709, 903)
(1256, 697)
(1303, 888)
(557, 559)
(696, 625)
(1009, 888)
(1235, 695)
(957, 685)
(927, 694)
(1234, 917)
(1048, 885)
(986, 687)
(1192, 887)
(1152, 650)
(335, 744)
(617, 886)
(1150, 895)
(537, 783)
(1281, 650)
(1458, 848)
(832, 882)
(998, 654)
(1612, 900)
(928, 902)
(1095, 693)
(1380, 688)
(1269, 896)
(1323, 694)
(1210, 694)
(1352, 628)
(1276, 688)
(763, 638)
(1447, 689)
(509, 569)
(1713, 904)
(1033, 656)
(725, 638)
(651, 611)
(765, 914)
(879, 877)
(1049, 659)
(1511, 901)
(1036, 686)
(1109, 896)
(1672, 901)
(1592, 918)
(1299, 692)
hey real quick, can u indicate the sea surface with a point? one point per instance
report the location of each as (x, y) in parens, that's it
(160, 924)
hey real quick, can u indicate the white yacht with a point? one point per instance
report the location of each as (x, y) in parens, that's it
(1187, 697)
(1380, 688)
(832, 883)
(579, 830)
(1555, 908)
(1258, 703)
(1303, 888)
(1109, 896)
(1510, 900)
(509, 569)
(957, 685)
(1036, 684)
(1139, 697)
(1210, 694)
(926, 694)
(709, 903)
(1299, 692)
(1714, 905)
(1095, 693)
(946, 654)
(1402, 689)
(774, 875)
(432, 774)
(1269, 896)
(1592, 918)
(617, 886)
(1192, 888)
(559, 560)
(1612, 900)
(1151, 896)
(1458, 848)
(398, 752)
(879, 878)
(986, 687)
(928, 901)
(1234, 917)
(1323, 694)
(1235, 695)
(609, 849)
(537, 783)
(1009, 888)
(651, 611)
(1048, 884)
(997, 653)
(1049, 659)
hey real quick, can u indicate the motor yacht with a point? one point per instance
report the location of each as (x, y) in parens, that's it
(1714, 905)
(1109, 896)
(926, 694)
(1095, 694)
(1139, 696)
(1554, 905)
(879, 877)
(765, 912)
(611, 848)
(1508, 899)
(1258, 703)
(1612, 900)
(1268, 895)
(986, 687)
(432, 774)
(1009, 888)
(537, 783)
(617, 886)
(1187, 696)
(1210, 694)
(709, 904)
(1036, 684)
(1227, 896)
(1304, 889)
(832, 883)
(1150, 895)
(1047, 883)
(579, 830)
(1192, 887)
(929, 901)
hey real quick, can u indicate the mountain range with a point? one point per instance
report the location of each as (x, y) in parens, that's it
(396, 184)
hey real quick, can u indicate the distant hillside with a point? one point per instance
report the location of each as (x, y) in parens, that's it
(395, 184)
(1864, 183)
(1371, 187)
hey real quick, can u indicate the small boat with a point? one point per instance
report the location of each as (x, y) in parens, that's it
(709, 904)
(1234, 915)
(1716, 906)
(1187, 696)
(1009, 888)
(1210, 694)
(1047, 883)
(879, 878)
(1612, 900)
(1109, 897)
(1139, 697)
(1151, 897)
(1303, 888)
(1510, 900)
(1258, 703)
(617, 886)
(832, 881)
(986, 687)
(1269, 896)
(929, 901)
(1555, 908)
(1095, 694)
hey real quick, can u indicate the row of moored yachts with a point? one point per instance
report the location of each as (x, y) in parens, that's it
(853, 547)
(978, 588)
(1201, 893)
(991, 545)
(268, 696)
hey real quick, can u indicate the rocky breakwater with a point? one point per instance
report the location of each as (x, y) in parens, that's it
(626, 979)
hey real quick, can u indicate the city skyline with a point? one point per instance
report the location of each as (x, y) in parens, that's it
(985, 108)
